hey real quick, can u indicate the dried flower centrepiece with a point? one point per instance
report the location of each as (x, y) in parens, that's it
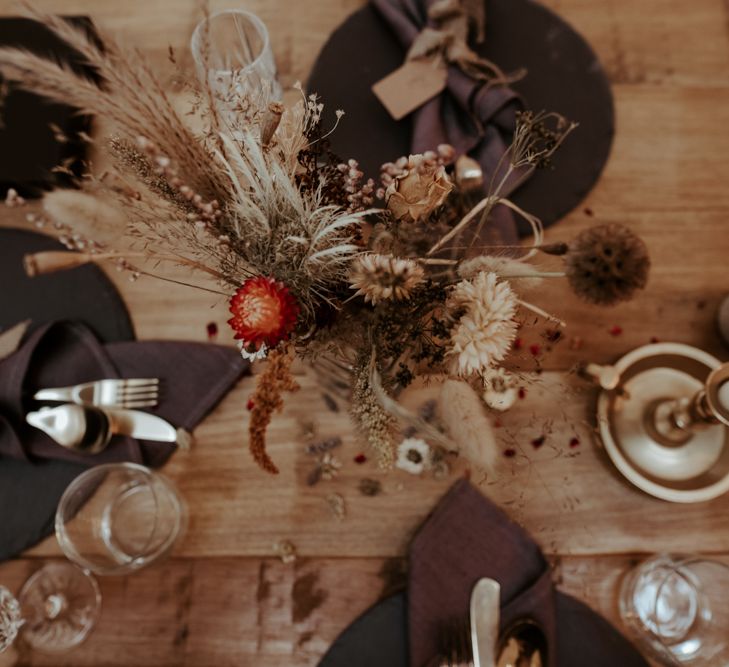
(375, 281)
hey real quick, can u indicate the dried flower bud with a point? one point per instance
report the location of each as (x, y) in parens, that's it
(418, 192)
(446, 152)
(555, 248)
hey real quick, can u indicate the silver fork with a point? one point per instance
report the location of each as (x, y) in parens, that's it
(126, 394)
(455, 645)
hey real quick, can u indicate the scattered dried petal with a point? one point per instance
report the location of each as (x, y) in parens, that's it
(370, 487)
(285, 550)
(336, 504)
(539, 441)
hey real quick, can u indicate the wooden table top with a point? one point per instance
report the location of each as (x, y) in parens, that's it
(224, 598)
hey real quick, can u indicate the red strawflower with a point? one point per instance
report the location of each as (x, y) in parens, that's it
(264, 313)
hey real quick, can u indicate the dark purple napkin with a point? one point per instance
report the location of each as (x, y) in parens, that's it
(474, 118)
(194, 378)
(466, 538)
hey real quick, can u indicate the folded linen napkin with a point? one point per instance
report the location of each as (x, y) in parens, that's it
(194, 378)
(467, 537)
(475, 118)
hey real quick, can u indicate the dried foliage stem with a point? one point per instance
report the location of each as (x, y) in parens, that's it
(129, 95)
(55, 260)
(542, 313)
(483, 207)
(267, 399)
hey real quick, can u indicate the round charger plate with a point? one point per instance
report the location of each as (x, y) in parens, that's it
(379, 638)
(564, 75)
(84, 294)
(692, 472)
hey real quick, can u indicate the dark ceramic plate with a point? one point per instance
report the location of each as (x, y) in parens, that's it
(564, 75)
(29, 493)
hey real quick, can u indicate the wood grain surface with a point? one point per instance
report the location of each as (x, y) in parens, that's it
(224, 598)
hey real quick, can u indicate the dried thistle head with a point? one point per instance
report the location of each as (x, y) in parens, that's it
(382, 277)
(606, 264)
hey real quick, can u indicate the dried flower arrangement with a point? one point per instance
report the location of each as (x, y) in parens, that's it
(387, 279)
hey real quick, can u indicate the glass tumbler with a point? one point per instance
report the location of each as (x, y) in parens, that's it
(233, 57)
(677, 608)
(117, 518)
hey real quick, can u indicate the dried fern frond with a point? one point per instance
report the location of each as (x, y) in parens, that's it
(129, 95)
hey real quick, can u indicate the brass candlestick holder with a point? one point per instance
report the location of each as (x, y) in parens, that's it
(662, 415)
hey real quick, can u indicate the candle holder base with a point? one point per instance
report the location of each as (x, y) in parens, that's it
(636, 421)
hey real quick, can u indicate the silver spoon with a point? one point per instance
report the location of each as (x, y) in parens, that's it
(88, 430)
(523, 645)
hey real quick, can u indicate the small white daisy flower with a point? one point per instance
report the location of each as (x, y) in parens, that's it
(413, 455)
(252, 356)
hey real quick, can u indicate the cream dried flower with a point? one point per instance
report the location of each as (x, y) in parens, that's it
(422, 186)
(500, 390)
(413, 455)
(506, 268)
(486, 327)
(381, 277)
(330, 466)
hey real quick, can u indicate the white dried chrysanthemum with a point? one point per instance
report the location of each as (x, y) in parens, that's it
(486, 327)
(381, 277)
(413, 455)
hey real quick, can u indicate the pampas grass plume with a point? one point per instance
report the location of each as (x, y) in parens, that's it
(468, 425)
(86, 214)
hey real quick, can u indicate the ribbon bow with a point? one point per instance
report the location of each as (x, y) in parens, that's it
(446, 37)
(473, 114)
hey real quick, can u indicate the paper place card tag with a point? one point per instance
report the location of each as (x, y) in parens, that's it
(411, 86)
(10, 339)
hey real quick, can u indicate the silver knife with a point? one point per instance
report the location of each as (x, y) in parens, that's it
(141, 425)
(484, 617)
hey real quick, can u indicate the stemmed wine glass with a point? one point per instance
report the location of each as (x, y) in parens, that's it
(56, 609)
(234, 60)
(112, 519)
